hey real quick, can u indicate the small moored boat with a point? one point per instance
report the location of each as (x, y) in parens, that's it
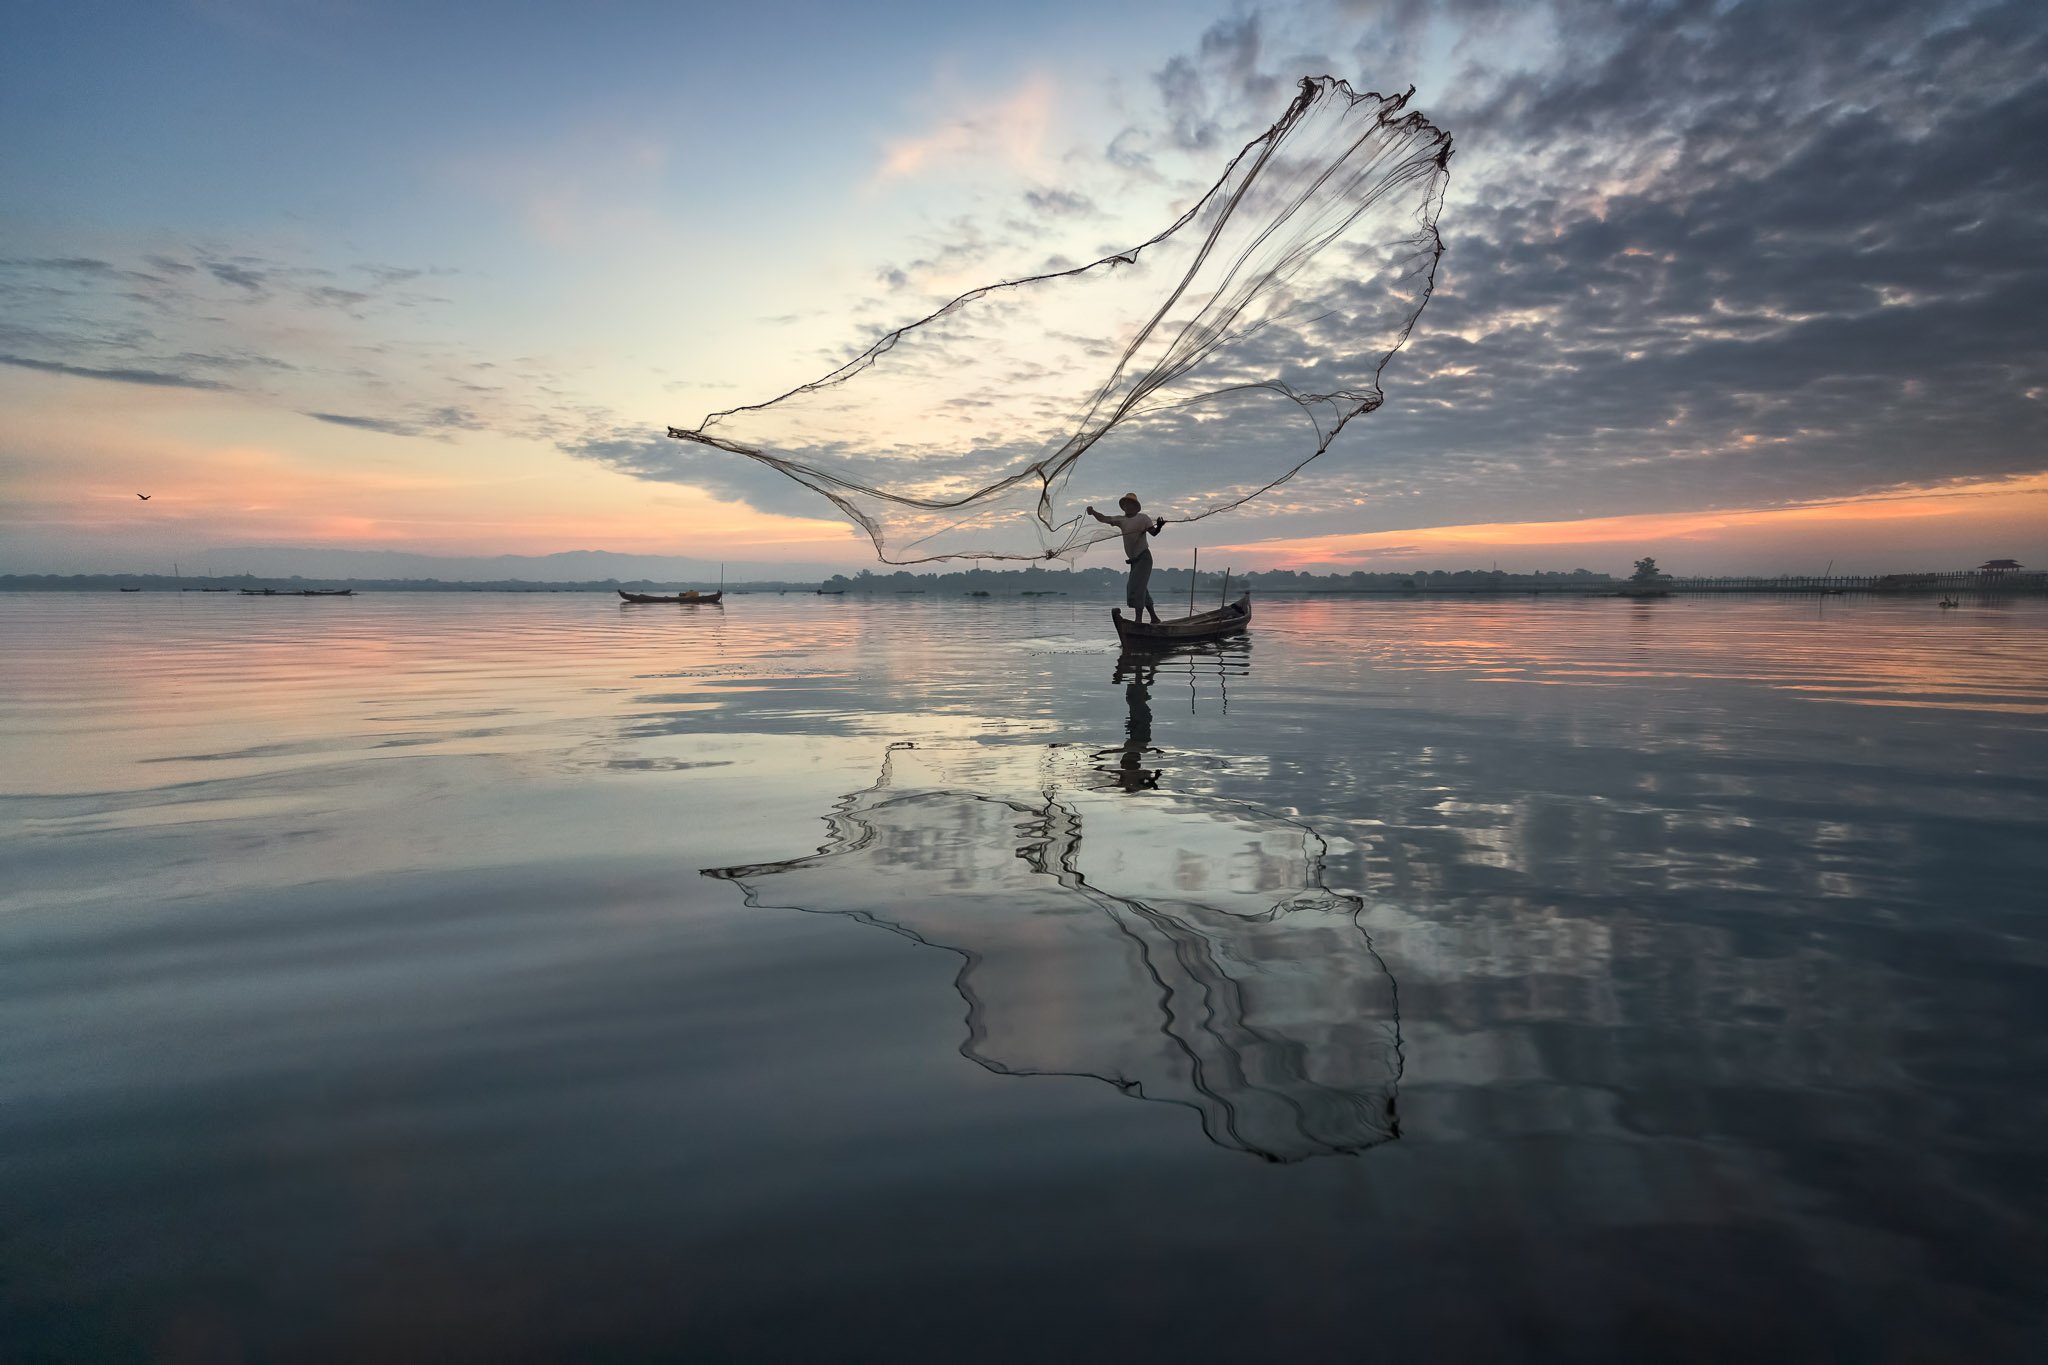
(1206, 625)
(688, 599)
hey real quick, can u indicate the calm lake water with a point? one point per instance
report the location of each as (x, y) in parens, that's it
(470, 977)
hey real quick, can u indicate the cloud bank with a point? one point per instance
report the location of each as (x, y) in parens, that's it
(1699, 255)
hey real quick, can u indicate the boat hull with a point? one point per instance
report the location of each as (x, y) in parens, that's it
(695, 599)
(1208, 625)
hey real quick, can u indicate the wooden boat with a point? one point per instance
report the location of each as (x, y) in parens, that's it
(327, 592)
(1206, 625)
(688, 599)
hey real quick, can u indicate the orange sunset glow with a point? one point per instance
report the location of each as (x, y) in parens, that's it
(1883, 531)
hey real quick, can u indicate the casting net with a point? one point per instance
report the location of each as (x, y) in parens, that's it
(1200, 369)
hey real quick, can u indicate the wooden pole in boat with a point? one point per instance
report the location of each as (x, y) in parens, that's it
(1193, 574)
(1223, 599)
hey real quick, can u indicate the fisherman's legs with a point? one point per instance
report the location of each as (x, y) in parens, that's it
(1138, 592)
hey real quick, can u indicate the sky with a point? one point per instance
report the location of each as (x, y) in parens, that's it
(1752, 287)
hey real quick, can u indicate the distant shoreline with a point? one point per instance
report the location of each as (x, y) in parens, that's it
(1093, 585)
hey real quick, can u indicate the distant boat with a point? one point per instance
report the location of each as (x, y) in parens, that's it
(687, 599)
(326, 592)
(128, 590)
(1206, 625)
(293, 592)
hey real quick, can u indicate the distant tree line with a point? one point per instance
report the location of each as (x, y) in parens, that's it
(104, 582)
(1095, 582)
(1108, 581)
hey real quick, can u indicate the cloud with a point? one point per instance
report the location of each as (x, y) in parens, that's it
(83, 265)
(333, 296)
(1011, 131)
(241, 276)
(387, 426)
(1698, 255)
(1778, 254)
(1215, 91)
(734, 478)
(1059, 203)
(438, 423)
(284, 333)
(389, 275)
(152, 378)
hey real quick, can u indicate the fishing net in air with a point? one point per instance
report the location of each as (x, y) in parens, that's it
(1201, 369)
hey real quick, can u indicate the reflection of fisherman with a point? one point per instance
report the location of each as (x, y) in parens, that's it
(1136, 525)
(1130, 772)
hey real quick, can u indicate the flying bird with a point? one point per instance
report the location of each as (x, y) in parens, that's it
(143, 496)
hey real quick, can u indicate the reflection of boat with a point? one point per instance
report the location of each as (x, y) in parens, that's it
(1207, 625)
(1223, 658)
(688, 599)
(1188, 953)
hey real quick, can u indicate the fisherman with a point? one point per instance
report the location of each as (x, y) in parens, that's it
(1136, 525)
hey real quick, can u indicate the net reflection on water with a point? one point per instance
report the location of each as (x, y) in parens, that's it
(1188, 952)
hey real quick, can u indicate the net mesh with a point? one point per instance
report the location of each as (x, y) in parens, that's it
(1201, 368)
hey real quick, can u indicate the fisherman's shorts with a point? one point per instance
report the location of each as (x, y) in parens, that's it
(1138, 592)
